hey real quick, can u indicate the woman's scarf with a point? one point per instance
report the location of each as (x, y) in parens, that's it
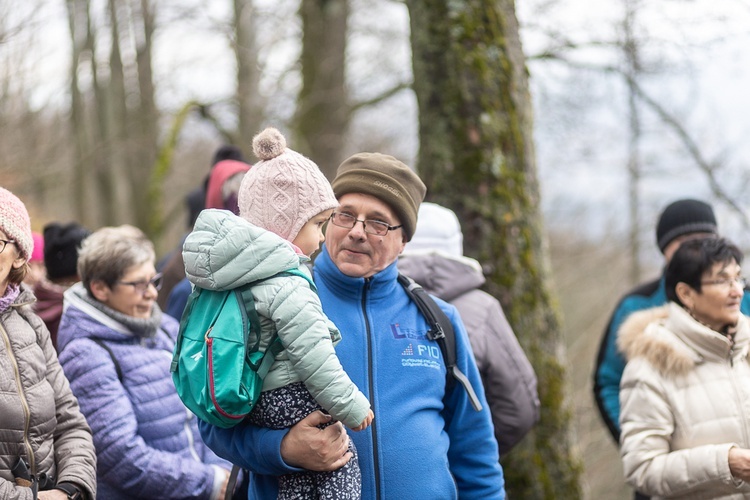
(10, 296)
(140, 327)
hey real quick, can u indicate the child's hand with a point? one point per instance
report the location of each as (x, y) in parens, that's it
(365, 423)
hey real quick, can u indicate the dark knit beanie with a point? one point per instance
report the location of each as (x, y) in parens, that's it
(684, 217)
(61, 244)
(385, 178)
(227, 152)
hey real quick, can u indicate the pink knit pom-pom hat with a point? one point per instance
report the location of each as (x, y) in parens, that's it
(284, 189)
(15, 222)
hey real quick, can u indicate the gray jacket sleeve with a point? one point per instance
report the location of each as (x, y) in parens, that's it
(75, 455)
(509, 380)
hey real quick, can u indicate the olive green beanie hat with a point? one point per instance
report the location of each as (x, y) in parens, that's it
(385, 178)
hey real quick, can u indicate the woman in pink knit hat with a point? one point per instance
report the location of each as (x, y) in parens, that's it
(46, 449)
(284, 202)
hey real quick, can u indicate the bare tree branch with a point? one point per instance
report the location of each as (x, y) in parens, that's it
(709, 168)
(380, 97)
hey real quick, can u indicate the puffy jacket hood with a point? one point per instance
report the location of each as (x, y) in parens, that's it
(674, 342)
(441, 274)
(225, 251)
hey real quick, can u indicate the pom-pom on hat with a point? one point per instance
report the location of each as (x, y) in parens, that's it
(61, 245)
(284, 190)
(15, 222)
(684, 217)
(385, 178)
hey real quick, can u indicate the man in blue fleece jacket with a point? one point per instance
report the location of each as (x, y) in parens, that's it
(423, 443)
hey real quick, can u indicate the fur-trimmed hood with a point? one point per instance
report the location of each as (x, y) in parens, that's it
(674, 342)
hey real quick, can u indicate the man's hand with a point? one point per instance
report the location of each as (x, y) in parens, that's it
(739, 463)
(52, 495)
(309, 447)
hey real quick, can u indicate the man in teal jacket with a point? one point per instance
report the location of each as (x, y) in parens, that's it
(426, 441)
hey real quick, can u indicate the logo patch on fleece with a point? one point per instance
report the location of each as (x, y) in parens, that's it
(421, 355)
(421, 352)
(407, 333)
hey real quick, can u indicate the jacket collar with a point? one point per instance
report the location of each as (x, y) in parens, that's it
(380, 285)
(674, 342)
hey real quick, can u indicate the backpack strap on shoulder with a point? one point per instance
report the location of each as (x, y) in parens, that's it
(111, 355)
(441, 331)
(297, 272)
(244, 296)
(246, 300)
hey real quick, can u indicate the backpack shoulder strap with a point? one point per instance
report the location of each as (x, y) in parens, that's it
(297, 272)
(441, 331)
(111, 355)
(245, 297)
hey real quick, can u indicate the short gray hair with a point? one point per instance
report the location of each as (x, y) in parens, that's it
(110, 251)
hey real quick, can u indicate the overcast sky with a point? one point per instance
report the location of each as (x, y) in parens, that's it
(698, 69)
(696, 56)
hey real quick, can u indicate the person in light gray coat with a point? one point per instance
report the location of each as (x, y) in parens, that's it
(46, 448)
(434, 259)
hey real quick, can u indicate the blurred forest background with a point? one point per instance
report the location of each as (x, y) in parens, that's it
(110, 111)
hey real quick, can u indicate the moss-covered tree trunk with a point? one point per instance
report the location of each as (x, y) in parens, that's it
(477, 157)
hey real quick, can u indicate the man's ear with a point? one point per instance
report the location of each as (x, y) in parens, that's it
(686, 294)
(100, 290)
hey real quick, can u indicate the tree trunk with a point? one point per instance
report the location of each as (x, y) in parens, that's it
(77, 110)
(633, 69)
(249, 109)
(144, 133)
(322, 105)
(477, 157)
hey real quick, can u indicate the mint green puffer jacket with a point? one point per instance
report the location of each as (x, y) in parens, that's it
(225, 251)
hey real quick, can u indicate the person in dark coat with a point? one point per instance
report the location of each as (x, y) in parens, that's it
(62, 242)
(223, 186)
(680, 221)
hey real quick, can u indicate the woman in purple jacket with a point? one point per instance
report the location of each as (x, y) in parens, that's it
(116, 347)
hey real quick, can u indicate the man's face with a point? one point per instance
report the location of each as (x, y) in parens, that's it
(357, 253)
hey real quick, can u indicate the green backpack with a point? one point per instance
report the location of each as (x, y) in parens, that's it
(217, 373)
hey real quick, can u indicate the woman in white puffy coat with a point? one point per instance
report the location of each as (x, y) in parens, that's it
(685, 392)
